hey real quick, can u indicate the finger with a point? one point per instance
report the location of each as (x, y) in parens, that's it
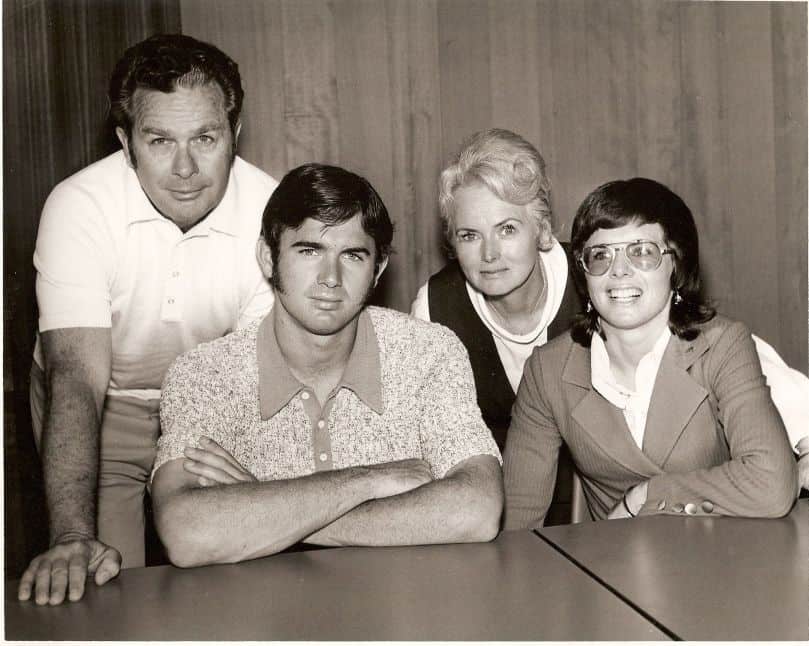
(214, 461)
(27, 581)
(58, 582)
(205, 482)
(109, 567)
(206, 471)
(77, 576)
(43, 583)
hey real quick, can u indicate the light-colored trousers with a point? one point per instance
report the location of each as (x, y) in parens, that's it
(129, 432)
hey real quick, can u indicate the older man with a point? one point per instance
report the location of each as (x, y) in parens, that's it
(140, 257)
(328, 422)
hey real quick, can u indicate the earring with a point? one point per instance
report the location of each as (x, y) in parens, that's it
(677, 298)
(589, 307)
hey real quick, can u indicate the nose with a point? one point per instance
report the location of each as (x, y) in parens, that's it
(620, 264)
(329, 273)
(490, 249)
(184, 165)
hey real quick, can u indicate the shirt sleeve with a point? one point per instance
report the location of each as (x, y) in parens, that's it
(75, 262)
(421, 305)
(452, 428)
(190, 407)
(789, 390)
(532, 453)
(760, 478)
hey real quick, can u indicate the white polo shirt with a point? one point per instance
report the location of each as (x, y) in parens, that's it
(105, 257)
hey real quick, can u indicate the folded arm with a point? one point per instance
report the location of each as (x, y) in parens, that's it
(228, 523)
(462, 507)
(760, 479)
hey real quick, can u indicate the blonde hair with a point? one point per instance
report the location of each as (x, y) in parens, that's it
(510, 167)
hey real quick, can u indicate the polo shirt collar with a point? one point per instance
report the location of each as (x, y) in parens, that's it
(277, 385)
(140, 209)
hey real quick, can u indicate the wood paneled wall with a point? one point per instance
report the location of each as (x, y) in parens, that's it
(709, 98)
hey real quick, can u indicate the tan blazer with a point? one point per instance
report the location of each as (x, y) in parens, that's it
(714, 442)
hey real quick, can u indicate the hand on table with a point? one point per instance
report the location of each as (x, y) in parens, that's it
(64, 568)
(635, 499)
(213, 465)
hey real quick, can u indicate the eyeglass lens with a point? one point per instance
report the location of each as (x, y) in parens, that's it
(644, 255)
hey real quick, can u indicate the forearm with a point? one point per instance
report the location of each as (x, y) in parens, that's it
(460, 508)
(231, 523)
(752, 487)
(70, 456)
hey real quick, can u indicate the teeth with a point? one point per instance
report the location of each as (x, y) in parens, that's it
(625, 292)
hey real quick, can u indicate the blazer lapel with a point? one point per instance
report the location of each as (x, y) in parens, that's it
(603, 422)
(675, 398)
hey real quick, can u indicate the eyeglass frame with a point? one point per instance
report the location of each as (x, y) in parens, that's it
(623, 245)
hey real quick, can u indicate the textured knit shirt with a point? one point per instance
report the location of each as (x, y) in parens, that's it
(407, 392)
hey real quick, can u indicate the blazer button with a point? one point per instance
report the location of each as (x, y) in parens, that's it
(690, 509)
(707, 506)
(661, 505)
(678, 507)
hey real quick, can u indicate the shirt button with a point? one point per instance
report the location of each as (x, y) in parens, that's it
(677, 507)
(323, 457)
(174, 274)
(707, 506)
(661, 505)
(321, 423)
(690, 509)
(171, 301)
(304, 395)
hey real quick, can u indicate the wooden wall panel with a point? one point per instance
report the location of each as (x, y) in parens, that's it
(709, 98)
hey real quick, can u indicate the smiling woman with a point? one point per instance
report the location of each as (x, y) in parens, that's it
(662, 403)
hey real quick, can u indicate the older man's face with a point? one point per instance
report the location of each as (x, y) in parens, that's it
(181, 149)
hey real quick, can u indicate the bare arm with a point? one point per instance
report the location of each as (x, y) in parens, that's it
(462, 507)
(230, 523)
(77, 373)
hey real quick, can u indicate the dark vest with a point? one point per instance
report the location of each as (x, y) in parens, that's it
(450, 305)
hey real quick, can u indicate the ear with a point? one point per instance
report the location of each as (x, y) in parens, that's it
(264, 257)
(380, 269)
(121, 134)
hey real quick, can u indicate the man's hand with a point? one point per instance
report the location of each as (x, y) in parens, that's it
(400, 476)
(213, 465)
(64, 568)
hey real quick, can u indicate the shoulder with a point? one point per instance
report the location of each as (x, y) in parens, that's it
(228, 358)
(722, 333)
(101, 181)
(406, 337)
(449, 276)
(251, 177)
(556, 350)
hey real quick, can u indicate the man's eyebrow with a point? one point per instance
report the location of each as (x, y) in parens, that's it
(360, 250)
(309, 244)
(206, 127)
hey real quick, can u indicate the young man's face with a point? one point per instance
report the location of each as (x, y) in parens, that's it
(324, 274)
(181, 149)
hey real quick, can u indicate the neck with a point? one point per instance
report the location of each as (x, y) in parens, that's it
(627, 347)
(315, 360)
(520, 309)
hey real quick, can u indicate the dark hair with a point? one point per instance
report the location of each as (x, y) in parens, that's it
(644, 201)
(330, 195)
(166, 61)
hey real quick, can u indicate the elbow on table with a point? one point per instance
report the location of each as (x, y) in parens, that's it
(776, 499)
(187, 544)
(481, 518)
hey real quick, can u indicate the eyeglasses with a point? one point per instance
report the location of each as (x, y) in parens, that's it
(645, 255)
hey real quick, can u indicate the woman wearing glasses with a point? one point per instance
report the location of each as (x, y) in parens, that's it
(662, 403)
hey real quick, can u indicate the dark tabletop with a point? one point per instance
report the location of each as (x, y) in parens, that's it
(703, 578)
(517, 587)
